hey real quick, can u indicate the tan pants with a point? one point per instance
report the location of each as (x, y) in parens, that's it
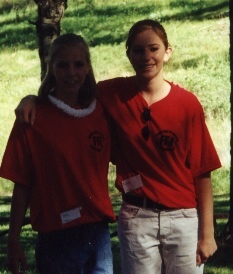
(158, 242)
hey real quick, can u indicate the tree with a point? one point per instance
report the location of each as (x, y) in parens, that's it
(50, 13)
(230, 221)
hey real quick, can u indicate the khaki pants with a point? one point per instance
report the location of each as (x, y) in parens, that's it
(158, 242)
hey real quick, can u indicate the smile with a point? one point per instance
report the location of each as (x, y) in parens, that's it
(71, 82)
(150, 66)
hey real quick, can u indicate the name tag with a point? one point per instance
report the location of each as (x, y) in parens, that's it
(132, 183)
(70, 215)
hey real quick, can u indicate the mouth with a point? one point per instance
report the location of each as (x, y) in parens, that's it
(147, 66)
(71, 82)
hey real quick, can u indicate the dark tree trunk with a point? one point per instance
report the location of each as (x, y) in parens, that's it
(50, 13)
(230, 221)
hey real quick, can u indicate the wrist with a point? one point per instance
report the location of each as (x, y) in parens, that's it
(208, 236)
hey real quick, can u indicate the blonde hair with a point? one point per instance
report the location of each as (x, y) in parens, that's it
(88, 90)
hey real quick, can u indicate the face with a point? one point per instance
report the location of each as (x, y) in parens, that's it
(70, 69)
(147, 54)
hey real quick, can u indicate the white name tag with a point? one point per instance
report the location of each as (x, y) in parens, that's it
(132, 183)
(70, 215)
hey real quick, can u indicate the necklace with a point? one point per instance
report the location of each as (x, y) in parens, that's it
(78, 113)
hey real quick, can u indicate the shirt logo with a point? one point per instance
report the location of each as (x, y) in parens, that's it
(167, 140)
(96, 141)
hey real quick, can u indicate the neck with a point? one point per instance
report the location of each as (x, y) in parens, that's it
(154, 90)
(68, 100)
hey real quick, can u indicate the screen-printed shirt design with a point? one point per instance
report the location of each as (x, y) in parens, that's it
(65, 159)
(177, 146)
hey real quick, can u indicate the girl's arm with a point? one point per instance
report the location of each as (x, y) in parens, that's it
(206, 244)
(26, 110)
(15, 254)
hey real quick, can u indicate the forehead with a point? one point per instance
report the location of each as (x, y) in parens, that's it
(75, 51)
(147, 37)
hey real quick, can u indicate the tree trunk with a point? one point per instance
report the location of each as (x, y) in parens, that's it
(50, 13)
(230, 221)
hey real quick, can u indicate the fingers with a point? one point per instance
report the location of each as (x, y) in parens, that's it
(24, 116)
(32, 116)
(17, 266)
(23, 265)
(198, 260)
(13, 265)
(202, 257)
(205, 249)
(26, 110)
(16, 259)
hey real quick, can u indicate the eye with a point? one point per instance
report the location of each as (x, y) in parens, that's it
(79, 64)
(153, 49)
(137, 50)
(62, 64)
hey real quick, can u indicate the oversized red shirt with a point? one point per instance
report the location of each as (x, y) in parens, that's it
(65, 159)
(179, 147)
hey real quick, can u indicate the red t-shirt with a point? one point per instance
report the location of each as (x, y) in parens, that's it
(65, 160)
(178, 149)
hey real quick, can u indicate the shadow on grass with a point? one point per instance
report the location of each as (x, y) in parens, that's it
(221, 203)
(105, 25)
(222, 258)
(4, 200)
(28, 240)
(4, 215)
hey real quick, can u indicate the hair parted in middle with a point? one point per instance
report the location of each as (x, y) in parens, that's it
(88, 91)
(146, 24)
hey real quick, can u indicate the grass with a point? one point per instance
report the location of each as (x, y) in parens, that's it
(198, 31)
(220, 263)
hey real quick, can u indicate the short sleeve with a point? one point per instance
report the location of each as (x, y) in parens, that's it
(202, 155)
(17, 162)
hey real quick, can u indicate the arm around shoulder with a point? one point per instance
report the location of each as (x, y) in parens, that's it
(26, 110)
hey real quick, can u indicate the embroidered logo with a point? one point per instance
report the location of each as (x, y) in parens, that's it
(167, 140)
(96, 141)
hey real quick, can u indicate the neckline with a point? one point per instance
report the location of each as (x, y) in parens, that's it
(159, 101)
(77, 113)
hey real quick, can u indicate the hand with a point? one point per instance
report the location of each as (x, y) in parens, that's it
(25, 111)
(16, 258)
(205, 249)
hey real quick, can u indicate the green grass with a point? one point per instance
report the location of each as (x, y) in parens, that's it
(198, 31)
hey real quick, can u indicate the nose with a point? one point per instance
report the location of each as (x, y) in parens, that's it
(71, 69)
(146, 54)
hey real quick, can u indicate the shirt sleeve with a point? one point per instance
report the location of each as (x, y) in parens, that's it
(17, 162)
(202, 155)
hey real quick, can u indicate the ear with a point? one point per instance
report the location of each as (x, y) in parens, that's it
(168, 54)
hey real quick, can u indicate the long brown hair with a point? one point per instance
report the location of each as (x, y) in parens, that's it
(88, 90)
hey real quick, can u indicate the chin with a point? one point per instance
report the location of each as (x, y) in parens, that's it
(146, 77)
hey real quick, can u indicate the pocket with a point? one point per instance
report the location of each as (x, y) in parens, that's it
(128, 211)
(190, 212)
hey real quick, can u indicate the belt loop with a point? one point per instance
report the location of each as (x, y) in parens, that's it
(144, 203)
